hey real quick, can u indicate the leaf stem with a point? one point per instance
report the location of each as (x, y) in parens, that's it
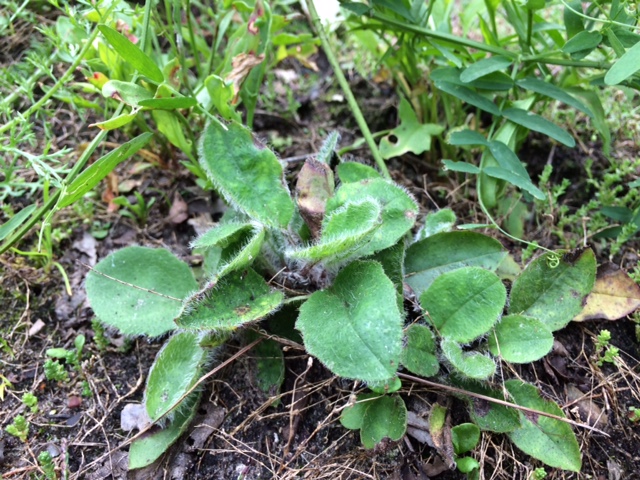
(344, 84)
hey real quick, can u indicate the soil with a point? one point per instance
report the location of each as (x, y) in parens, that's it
(238, 433)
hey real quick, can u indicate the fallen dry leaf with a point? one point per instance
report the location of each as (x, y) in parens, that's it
(615, 295)
(179, 210)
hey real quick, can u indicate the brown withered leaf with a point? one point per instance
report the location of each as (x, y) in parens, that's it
(179, 210)
(615, 295)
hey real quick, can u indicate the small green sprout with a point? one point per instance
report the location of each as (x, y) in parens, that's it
(604, 351)
(46, 464)
(31, 401)
(99, 337)
(539, 474)
(55, 371)
(634, 414)
(19, 428)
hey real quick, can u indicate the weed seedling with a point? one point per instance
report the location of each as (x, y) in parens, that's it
(138, 211)
(71, 357)
(539, 474)
(46, 464)
(634, 414)
(605, 353)
(31, 401)
(99, 337)
(55, 371)
(19, 428)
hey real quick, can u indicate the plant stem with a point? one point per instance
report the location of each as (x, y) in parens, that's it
(344, 84)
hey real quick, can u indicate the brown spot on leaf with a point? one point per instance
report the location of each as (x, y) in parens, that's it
(242, 310)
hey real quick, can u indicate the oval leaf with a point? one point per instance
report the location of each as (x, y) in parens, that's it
(538, 124)
(484, 67)
(465, 303)
(386, 417)
(520, 339)
(551, 91)
(419, 354)
(470, 364)
(355, 327)
(624, 67)
(467, 95)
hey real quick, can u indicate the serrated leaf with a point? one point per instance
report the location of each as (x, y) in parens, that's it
(399, 210)
(465, 303)
(551, 91)
(386, 417)
(429, 258)
(349, 172)
(246, 173)
(547, 439)
(467, 95)
(419, 354)
(345, 230)
(410, 135)
(484, 67)
(520, 339)
(238, 298)
(437, 222)
(539, 124)
(624, 67)
(354, 327)
(175, 370)
(91, 176)
(554, 293)
(615, 295)
(147, 449)
(132, 54)
(139, 311)
(470, 364)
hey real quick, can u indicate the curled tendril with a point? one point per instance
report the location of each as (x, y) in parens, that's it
(553, 260)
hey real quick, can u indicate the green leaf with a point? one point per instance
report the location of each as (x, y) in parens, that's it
(466, 137)
(520, 339)
(437, 222)
(582, 43)
(349, 172)
(352, 417)
(175, 370)
(572, 21)
(174, 103)
(489, 416)
(484, 67)
(429, 258)
(465, 303)
(15, 221)
(221, 235)
(148, 448)
(470, 364)
(624, 67)
(142, 310)
(386, 417)
(399, 210)
(554, 293)
(246, 173)
(460, 167)
(126, 92)
(91, 176)
(551, 91)
(467, 95)
(537, 123)
(355, 327)
(410, 135)
(465, 437)
(238, 298)
(392, 261)
(169, 125)
(547, 439)
(270, 367)
(419, 354)
(345, 230)
(116, 122)
(132, 54)
(467, 464)
(236, 257)
(518, 181)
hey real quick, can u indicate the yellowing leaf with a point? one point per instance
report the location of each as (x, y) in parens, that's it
(614, 296)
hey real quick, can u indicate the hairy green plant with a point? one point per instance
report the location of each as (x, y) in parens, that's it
(337, 257)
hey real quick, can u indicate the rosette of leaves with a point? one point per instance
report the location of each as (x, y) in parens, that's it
(342, 254)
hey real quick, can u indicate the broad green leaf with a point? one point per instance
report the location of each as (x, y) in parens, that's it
(221, 235)
(520, 339)
(141, 305)
(467, 95)
(246, 173)
(148, 448)
(349, 172)
(352, 417)
(91, 176)
(488, 416)
(399, 210)
(549, 440)
(344, 231)
(583, 43)
(572, 21)
(386, 417)
(419, 354)
(17, 220)
(467, 465)
(624, 67)
(410, 135)
(466, 137)
(126, 92)
(385, 386)
(463, 167)
(465, 437)
(221, 95)
(238, 298)
(507, 159)
(392, 261)
(470, 364)
(484, 67)
(270, 367)
(132, 54)
(236, 257)
(173, 103)
(429, 258)
(553, 287)
(175, 370)
(514, 179)
(465, 303)
(437, 222)
(355, 327)
(551, 91)
(116, 122)
(539, 124)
